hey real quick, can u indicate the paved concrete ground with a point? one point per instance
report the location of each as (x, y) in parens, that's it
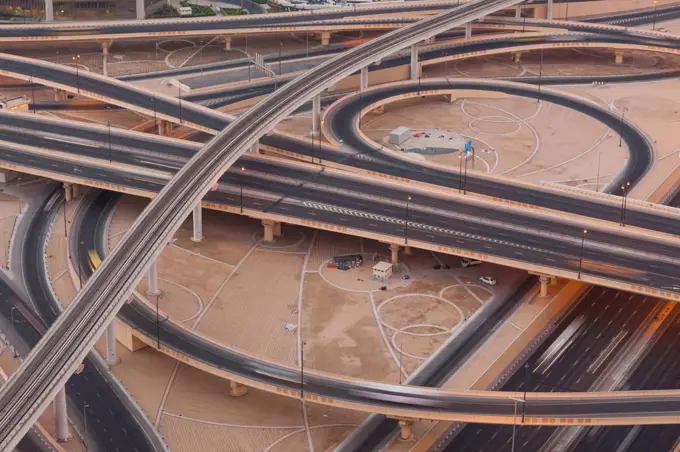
(349, 326)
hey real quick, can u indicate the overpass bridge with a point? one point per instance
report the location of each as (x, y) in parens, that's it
(370, 207)
(98, 302)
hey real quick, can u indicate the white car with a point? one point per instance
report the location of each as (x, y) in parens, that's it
(488, 280)
(465, 262)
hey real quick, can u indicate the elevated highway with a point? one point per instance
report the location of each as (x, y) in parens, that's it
(65, 344)
(306, 195)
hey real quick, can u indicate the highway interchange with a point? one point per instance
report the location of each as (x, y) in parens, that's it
(247, 201)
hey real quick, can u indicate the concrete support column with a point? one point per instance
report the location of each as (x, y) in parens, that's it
(277, 229)
(268, 230)
(255, 148)
(468, 31)
(395, 253)
(153, 280)
(364, 78)
(59, 94)
(544, 279)
(237, 389)
(105, 51)
(67, 191)
(111, 358)
(227, 43)
(407, 251)
(198, 224)
(61, 417)
(452, 98)
(141, 10)
(517, 57)
(49, 9)
(414, 62)
(518, 12)
(325, 38)
(316, 114)
(553, 280)
(405, 433)
(618, 57)
(165, 128)
(75, 188)
(548, 14)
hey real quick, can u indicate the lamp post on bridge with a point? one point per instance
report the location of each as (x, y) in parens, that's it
(408, 200)
(624, 202)
(580, 259)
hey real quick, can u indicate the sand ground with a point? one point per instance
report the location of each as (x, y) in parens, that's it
(10, 207)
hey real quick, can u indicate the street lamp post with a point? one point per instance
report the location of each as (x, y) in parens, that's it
(33, 95)
(110, 153)
(158, 325)
(540, 76)
(624, 202)
(85, 407)
(80, 267)
(77, 60)
(280, 48)
(179, 91)
(580, 259)
(460, 171)
(567, 13)
(408, 200)
(654, 17)
(623, 115)
(514, 423)
(302, 369)
(243, 169)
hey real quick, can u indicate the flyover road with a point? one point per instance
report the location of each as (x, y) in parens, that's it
(67, 342)
(110, 425)
(659, 369)
(609, 324)
(369, 160)
(311, 193)
(207, 26)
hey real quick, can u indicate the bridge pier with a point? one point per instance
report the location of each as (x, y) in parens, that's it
(394, 248)
(364, 78)
(414, 62)
(67, 191)
(255, 148)
(164, 128)
(468, 31)
(277, 229)
(140, 9)
(61, 416)
(49, 10)
(227, 43)
(518, 12)
(549, 12)
(407, 251)
(111, 358)
(269, 230)
(75, 191)
(544, 279)
(237, 389)
(197, 218)
(59, 94)
(517, 57)
(405, 433)
(325, 38)
(152, 290)
(316, 115)
(106, 44)
(618, 57)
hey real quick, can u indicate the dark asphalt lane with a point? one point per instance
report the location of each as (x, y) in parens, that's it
(126, 149)
(269, 20)
(424, 225)
(178, 338)
(606, 314)
(109, 420)
(370, 159)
